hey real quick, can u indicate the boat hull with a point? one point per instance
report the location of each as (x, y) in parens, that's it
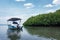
(13, 27)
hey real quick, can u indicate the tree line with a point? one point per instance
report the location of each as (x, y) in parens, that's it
(49, 19)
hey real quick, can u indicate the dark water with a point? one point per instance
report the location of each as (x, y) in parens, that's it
(30, 33)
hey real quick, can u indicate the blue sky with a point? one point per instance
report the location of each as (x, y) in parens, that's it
(26, 8)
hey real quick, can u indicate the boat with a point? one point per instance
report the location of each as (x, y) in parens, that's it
(14, 23)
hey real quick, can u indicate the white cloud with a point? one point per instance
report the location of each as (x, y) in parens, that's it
(57, 2)
(48, 5)
(51, 10)
(54, 3)
(20, 0)
(29, 5)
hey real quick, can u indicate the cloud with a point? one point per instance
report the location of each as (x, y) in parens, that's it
(48, 5)
(56, 2)
(51, 10)
(20, 0)
(28, 5)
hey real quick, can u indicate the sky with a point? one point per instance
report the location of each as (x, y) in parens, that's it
(26, 8)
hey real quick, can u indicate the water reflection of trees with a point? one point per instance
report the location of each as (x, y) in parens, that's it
(13, 34)
(48, 32)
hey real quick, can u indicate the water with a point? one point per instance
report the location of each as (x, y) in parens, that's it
(30, 33)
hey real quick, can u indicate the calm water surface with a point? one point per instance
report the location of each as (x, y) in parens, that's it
(30, 33)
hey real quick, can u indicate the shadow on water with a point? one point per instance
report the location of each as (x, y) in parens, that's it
(52, 33)
(13, 34)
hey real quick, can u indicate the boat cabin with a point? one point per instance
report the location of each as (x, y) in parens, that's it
(14, 23)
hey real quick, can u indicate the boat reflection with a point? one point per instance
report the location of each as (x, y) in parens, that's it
(13, 34)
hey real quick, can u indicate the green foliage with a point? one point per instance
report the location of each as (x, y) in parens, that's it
(44, 19)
